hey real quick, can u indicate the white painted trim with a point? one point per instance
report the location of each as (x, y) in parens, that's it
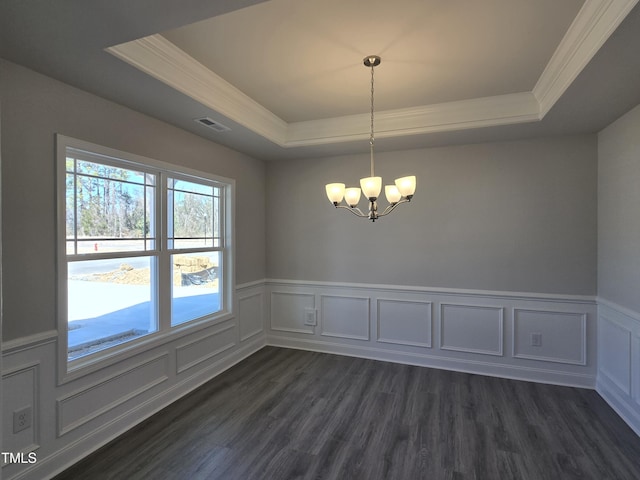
(595, 22)
(626, 411)
(181, 368)
(35, 401)
(158, 57)
(494, 294)
(497, 353)
(630, 314)
(628, 388)
(399, 342)
(248, 285)
(624, 399)
(465, 365)
(241, 297)
(323, 333)
(542, 358)
(64, 429)
(103, 434)
(306, 331)
(442, 117)
(70, 370)
(31, 341)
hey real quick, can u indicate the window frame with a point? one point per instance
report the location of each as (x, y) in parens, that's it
(161, 295)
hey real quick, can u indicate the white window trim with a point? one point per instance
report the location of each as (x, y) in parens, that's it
(68, 371)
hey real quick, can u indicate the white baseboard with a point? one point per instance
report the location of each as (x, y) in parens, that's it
(514, 372)
(628, 412)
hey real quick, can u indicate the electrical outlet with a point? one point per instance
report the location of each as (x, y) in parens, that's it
(22, 419)
(310, 316)
(536, 339)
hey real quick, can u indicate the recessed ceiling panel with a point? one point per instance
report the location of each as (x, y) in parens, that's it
(302, 60)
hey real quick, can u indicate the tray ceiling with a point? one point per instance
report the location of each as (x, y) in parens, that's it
(291, 71)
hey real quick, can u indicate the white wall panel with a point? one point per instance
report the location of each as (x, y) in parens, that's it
(250, 315)
(618, 380)
(343, 316)
(614, 356)
(404, 322)
(472, 328)
(204, 347)
(635, 370)
(563, 336)
(287, 311)
(20, 387)
(90, 402)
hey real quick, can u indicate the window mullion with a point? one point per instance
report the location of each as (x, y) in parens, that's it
(163, 277)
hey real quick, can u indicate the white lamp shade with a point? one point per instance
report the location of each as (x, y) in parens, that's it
(392, 194)
(335, 192)
(371, 186)
(406, 185)
(352, 196)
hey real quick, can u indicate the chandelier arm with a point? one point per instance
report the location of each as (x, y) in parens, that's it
(391, 208)
(355, 210)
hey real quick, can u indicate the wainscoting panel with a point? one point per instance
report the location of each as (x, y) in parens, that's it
(472, 329)
(90, 402)
(203, 348)
(288, 312)
(344, 317)
(563, 336)
(20, 387)
(618, 380)
(615, 353)
(250, 315)
(404, 322)
(635, 362)
(74, 418)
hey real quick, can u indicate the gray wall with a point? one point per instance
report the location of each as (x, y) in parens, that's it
(619, 211)
(34, 108)
(515, 216)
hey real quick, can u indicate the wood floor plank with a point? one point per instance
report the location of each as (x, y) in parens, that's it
(288, 414)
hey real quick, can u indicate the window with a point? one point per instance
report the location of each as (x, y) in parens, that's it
(145, 250)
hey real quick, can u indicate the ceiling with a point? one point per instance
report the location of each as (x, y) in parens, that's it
(287, 77)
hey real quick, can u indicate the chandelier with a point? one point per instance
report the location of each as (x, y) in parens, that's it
(401, 192)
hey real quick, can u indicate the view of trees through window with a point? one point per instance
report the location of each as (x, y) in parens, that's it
(113, 250)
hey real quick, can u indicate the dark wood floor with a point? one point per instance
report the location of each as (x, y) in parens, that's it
(285, 414)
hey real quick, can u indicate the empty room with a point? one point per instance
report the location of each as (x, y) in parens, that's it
(320, 239)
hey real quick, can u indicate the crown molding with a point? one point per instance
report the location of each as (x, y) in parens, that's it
(474, 113)
(595, 22)
(158, 57)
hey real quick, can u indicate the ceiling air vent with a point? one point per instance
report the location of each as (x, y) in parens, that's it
(212, 124)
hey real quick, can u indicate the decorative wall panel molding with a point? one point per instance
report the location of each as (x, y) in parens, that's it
(287, 311)
(472, 328)
(250, 315)
(404, 322)
(614, 343)
(563, 336)
(618, 380)
(72, 419)
(404, 319)
(203, 348)
(21, 388)
(88, 403)
(345, 317)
